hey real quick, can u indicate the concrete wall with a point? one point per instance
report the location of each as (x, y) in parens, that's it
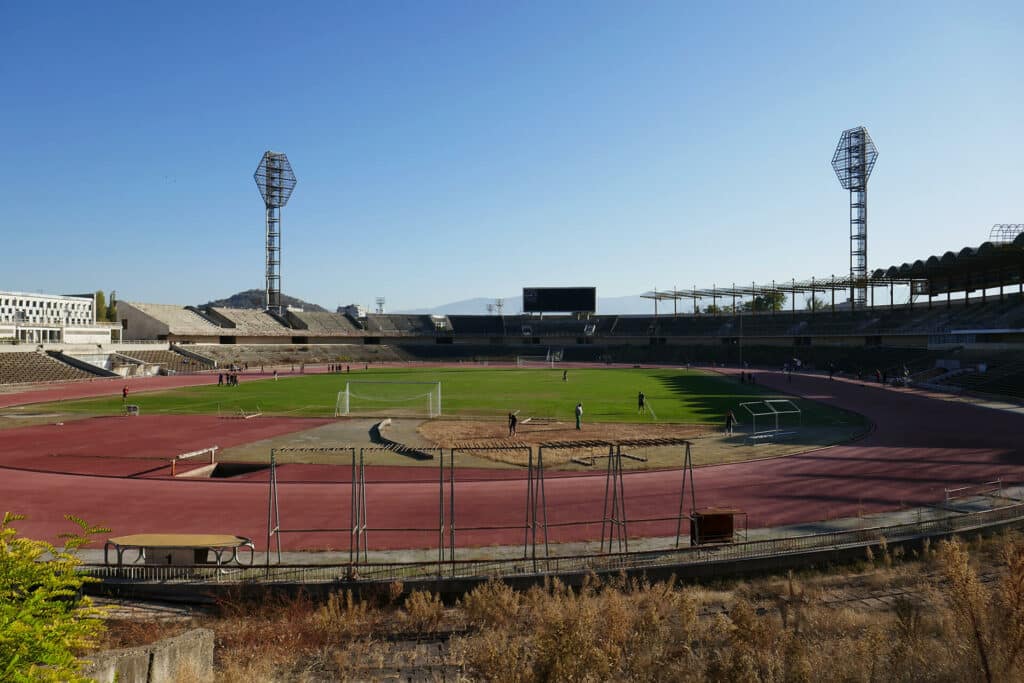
(140, 325)
(165, 661)
(87, 335)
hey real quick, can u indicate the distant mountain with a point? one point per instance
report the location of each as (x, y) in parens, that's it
(617, 305)
(257, 298)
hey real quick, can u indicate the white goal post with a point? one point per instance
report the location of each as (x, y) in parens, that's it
(384, 398)
(548, 360)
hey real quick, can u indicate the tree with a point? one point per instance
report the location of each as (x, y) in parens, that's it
(101, 305)
(769, 301)
(44, 619)
(111, 312)
(815, 304)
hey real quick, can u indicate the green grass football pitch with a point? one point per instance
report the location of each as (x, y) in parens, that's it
(608, 395)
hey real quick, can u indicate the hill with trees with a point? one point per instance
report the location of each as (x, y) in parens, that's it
(256, 298)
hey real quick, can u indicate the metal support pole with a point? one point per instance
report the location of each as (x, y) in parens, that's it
(687, 473)
(622, 499)
(440, 516)
(604, 506)
(529, 505)
(273, 512)
(353, 515)
(543, 505)
(451, 497)
(363, 518)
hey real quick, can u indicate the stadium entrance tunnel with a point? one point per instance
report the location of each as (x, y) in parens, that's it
(224, 470)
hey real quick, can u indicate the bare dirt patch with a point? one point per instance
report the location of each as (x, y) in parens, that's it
(710, 446)
(453, 433)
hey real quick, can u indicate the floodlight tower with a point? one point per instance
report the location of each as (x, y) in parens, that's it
(853, 160)
(276, 180)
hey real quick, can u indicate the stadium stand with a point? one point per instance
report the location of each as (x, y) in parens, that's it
(634, 326)
(177, 319)
(18, 367)
(386, 324)
(323, 324)
(477, 325)
(295, 354)
(169, 361)
(251, 323)
(1004, 377)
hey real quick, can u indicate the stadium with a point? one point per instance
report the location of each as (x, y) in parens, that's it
(735, 426)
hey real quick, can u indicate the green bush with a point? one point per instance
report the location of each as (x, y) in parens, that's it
(45, 621)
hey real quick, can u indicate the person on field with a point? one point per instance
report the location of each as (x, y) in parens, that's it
(730, 420)
(124, 393)
(579, 414)
(220, 379)
(565, 375)
(641, 407)
(512, 420)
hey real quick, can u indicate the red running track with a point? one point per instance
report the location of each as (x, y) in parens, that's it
(918, 447)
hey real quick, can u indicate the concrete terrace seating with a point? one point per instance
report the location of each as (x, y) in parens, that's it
(325, 324)
(169, 360)
(635, 326)
(271, 355)
(251, 323)
(30, 366)
(555, 327)
(1004, 379)
(180, 320)
(391, 325)
(477, 325)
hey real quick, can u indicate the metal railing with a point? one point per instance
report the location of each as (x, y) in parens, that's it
(668, 558)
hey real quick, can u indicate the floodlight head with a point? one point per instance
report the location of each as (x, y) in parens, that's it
(275, 178)
(854, 158)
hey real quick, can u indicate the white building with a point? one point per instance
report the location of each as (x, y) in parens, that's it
(52, 318)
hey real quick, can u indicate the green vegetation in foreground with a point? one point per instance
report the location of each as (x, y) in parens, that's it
(608, 395)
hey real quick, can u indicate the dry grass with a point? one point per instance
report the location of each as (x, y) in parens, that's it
(954, 614)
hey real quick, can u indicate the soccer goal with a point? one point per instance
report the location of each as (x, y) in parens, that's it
(772, 418)
(383, 398)
(548, 360)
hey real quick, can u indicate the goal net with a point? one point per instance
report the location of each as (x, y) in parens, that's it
(386, 399)
(548, 360)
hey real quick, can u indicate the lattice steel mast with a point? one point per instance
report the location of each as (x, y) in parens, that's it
(276, 180)
(853, 161)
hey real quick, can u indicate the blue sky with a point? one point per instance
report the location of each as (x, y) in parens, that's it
(446, 151)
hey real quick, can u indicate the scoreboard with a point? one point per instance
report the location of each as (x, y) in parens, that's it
(559, 299)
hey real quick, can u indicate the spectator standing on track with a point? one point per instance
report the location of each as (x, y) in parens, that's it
(579, 414)
(512, 420)
(641, 408)
(220, 379)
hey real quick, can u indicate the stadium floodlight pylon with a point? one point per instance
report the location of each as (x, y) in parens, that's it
(853, 162)
(387, 398)
(275, 180)
(1005, 233)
